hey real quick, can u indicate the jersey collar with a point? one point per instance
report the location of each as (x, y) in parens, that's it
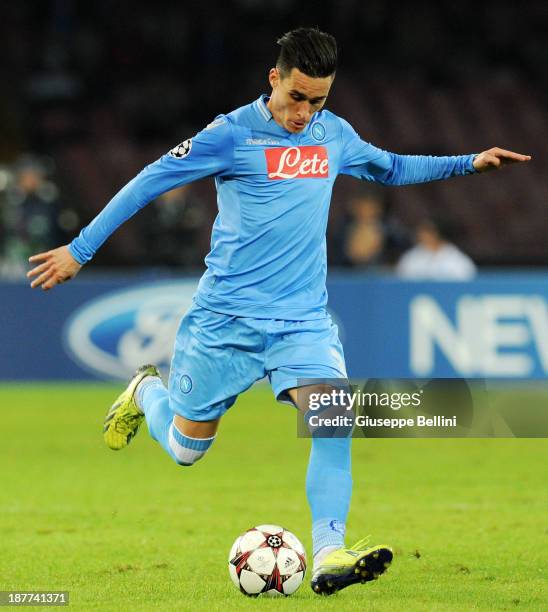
(261, 106)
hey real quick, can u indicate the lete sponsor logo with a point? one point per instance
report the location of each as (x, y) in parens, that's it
(297, 162)
(114, 334)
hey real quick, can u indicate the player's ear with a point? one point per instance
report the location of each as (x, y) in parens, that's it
(274, 77)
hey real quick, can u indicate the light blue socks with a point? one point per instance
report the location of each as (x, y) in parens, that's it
(329, 488)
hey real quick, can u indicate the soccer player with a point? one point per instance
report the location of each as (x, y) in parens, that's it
(260, 308)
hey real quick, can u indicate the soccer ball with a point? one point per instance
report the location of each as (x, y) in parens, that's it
(267, 559)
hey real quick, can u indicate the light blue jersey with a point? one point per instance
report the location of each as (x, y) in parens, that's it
(268, 250)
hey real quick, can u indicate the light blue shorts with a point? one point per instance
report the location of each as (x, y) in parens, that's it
(218, 356)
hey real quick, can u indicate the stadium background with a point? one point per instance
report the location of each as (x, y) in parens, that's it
(93, 92)
(103, 89)
(98, 91)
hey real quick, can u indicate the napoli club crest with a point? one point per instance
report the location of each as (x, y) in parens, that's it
(318, 131)
(186, 383)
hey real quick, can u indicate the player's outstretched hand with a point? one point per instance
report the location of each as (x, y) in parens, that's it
(54, 267)
(496, 158)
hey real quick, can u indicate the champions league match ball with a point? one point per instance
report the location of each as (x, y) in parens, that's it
(267, 560)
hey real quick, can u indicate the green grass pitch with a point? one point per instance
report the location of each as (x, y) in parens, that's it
(130, 530)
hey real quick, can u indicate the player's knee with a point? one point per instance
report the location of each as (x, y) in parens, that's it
(186, 450)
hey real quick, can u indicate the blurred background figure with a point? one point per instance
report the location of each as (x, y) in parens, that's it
(434, 257)
(371, 239)
(364, 243)
(31, 216)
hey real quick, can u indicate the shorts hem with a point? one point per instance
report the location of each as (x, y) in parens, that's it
(199, 415)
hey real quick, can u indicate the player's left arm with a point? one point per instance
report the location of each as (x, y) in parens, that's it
(363, 160)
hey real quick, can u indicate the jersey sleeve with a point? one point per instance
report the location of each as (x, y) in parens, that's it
(365, 161)
(209, 153)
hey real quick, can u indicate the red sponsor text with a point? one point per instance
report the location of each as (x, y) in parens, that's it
(297, 162)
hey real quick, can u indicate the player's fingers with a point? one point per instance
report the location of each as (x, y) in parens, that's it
(510, 155)
(49, 284)
(40, 256)
(38, 269)
(515, 158)
(492, 160)
(41, 279)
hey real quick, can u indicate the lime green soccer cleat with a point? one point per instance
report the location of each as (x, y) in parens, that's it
(124, 417)
(347, 566)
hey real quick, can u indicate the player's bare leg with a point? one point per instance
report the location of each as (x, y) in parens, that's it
(196, 429)
(328, 487)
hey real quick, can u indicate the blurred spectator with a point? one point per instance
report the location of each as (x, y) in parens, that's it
(172, 228)
(370, 239)
(31, 218)
(434, 257)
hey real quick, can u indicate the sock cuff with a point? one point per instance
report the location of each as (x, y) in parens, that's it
(186, 450)
(198, 444)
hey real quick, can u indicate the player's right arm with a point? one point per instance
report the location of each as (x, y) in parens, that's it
(209, 153)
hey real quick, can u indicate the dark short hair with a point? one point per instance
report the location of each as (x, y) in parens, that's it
(310, 50)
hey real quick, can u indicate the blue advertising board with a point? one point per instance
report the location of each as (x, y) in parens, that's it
(493, 327)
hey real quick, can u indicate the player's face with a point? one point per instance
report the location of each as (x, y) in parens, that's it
(296, 97)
